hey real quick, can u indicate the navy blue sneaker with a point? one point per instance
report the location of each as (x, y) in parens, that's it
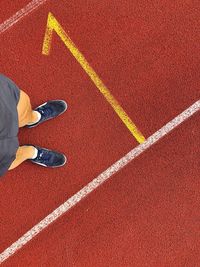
(49, 158)
(49, 110)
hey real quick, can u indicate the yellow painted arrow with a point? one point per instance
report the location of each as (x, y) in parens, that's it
(54, 25)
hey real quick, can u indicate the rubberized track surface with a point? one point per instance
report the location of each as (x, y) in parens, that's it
(147, 54)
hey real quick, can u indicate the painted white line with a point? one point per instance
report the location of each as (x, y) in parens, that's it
(72, 201)
(20, 14)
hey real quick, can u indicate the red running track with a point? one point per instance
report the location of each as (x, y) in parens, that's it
(146, 215)
(148, 56)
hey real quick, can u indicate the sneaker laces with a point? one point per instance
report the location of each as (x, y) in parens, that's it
(47, 111)
(44, 155)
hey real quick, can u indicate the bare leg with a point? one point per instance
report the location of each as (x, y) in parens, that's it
(23, 153)
(25, 113)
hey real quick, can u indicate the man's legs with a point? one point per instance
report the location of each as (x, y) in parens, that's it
(26, 115)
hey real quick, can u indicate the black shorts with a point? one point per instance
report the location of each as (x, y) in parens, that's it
(9, 98)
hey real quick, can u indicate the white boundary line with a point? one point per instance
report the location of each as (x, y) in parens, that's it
(20, 14)
(72, 201)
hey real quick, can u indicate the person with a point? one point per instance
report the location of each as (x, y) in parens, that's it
(16, 112)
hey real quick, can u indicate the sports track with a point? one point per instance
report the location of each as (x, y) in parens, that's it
(147, 213)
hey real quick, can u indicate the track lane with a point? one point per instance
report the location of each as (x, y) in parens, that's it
(146, 214)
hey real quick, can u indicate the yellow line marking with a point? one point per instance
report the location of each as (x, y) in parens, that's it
(54, 25)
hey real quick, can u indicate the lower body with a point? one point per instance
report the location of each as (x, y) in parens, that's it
(28, 117)
(25, 116)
